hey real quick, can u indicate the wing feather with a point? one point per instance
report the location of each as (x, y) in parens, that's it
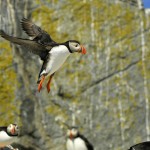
(36, 32)
(31, 45)
(88, 144)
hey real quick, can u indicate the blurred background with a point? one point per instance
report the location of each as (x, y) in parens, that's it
(105, 92)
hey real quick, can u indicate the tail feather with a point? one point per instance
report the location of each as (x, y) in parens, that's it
(38, 81)
(41, 74)
(40, 77)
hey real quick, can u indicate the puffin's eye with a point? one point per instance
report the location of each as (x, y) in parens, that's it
(76, 45)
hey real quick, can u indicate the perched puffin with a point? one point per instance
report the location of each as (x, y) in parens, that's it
(76, 141)
(52, 53)
(141, 146)
(8, 134)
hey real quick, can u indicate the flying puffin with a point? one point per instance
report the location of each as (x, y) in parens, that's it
(141, 146)
(52, 54)
(76, 141)
(8, 134)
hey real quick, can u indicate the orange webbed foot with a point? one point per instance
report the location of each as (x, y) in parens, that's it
(48, 87)
(49, 82)
(39, 87)
(40, 84)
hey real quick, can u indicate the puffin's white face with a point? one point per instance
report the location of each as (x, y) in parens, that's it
(72, 133)
(76, 47)
(13, 129)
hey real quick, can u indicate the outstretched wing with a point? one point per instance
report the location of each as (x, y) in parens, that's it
(36, 32)
(33, 46)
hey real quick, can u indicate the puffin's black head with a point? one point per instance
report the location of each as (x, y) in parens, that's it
(13, 130)
(72, 132)
(74, 46)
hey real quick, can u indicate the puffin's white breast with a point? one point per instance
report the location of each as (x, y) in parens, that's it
(5, 139)
(76, 144)
(58, 55)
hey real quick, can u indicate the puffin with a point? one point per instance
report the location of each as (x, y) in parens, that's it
(52, 54)
(76, 141)
(8, 135)
(141, 146)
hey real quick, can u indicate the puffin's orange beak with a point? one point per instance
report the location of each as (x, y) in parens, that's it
(83, 50)
(71, 136)
(13, 131)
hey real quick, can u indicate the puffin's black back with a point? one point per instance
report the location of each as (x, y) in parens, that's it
(141, 146)
(3, 128)
(88, 144)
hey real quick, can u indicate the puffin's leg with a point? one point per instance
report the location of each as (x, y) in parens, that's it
(41, 82)
(49, 82)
